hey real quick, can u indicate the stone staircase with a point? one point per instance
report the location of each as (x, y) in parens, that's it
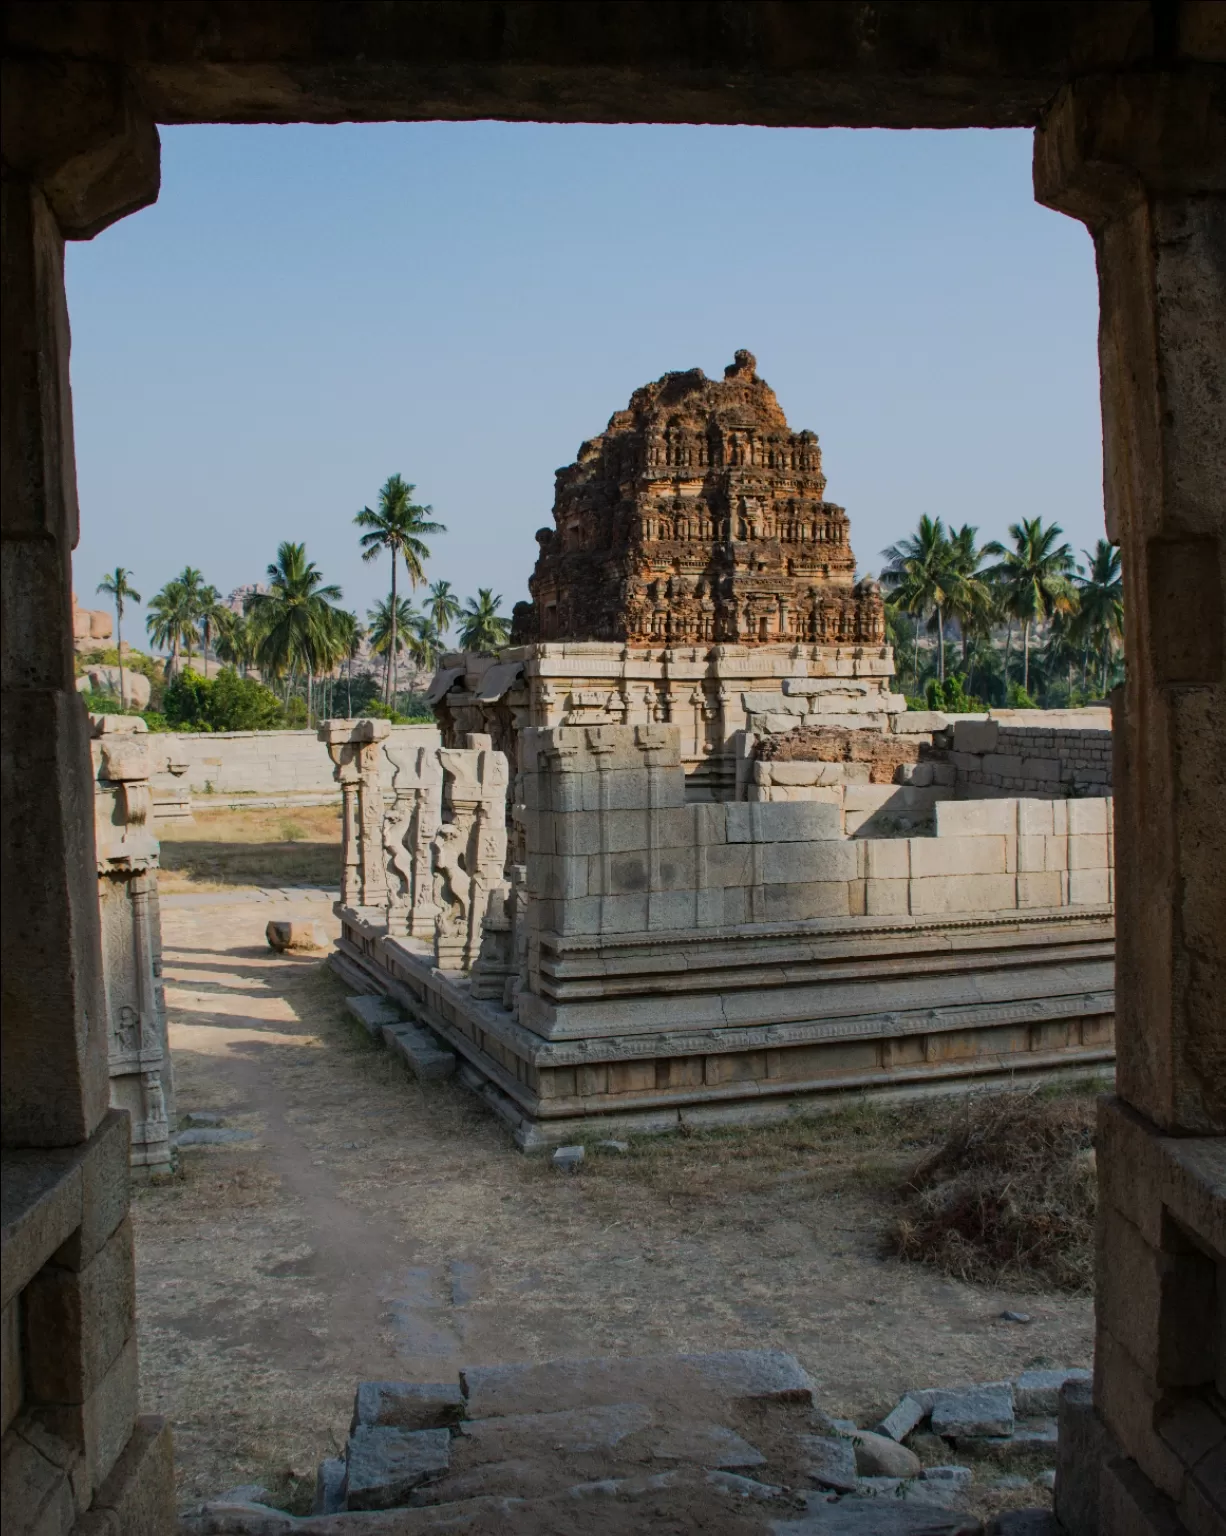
(731, 1444)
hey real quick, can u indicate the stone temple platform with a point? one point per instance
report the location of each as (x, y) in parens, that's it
(649, 962)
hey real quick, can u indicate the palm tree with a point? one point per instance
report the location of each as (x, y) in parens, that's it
(349, 636)
(391, 629)
(482, 627)
(295, 617)
(970, 596)
(192, 582)
(1033, 578)
(443, 607)
(920, 577)
(117, 586)
(425, 642)
(397, 527)
(1102, 603)
(211, 616)
(170, 619)
(236, 639)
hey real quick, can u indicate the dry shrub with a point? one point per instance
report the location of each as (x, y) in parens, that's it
(1008, 1195)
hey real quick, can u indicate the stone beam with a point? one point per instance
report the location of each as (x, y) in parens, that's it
(1142, 161)
(894, 64)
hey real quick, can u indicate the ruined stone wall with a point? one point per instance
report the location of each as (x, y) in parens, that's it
(991, 758)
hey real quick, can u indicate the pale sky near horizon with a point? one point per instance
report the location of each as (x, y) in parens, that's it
(307, 309)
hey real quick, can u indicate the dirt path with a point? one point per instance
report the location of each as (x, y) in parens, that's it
(372, 1230)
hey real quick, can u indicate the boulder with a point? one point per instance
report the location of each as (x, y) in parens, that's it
(137, 689)
(879, 1456)
(296, 935)
(830, 1461)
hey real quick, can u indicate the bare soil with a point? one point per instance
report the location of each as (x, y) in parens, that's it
(300, 845)
(373, 1230)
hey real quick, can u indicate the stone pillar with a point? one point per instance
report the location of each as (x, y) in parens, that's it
(355, 747)
(138, 1055)
(412, 821)
(78, 153)
(1141, 160)
(470, 848)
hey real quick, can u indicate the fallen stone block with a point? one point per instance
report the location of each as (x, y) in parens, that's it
(422, 1052)
(1038, 1392)
(569, 1431)
(1035, 1438)
(202, 1117)
(854, 1516)
(743, 1487)
(209, 1136)
(384, 1464)
(329, 1487)
(407, 1404)
(829, 1461)
(284, 936)
(952, 1476)
(568, 1159)
(879, 1456)
(907, 1414)
(373, 1013)
(985, 1409)
(706, 1445)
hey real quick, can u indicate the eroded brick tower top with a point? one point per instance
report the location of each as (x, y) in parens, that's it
(698, 516)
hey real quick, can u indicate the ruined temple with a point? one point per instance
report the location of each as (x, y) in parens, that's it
(699, 517)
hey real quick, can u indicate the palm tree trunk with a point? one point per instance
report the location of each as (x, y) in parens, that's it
(940, 643)
(1026, 656)
(1005, 664)
(123, 703)
(391, 655)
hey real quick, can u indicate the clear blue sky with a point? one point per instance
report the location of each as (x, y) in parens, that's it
(308, 309)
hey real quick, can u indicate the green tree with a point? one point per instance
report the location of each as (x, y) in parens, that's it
(482, 627)
(211, 615)
(443, 607)
(117, 587)
(170, 619)
(349, 635)
(1101, 594)
(226, 702)
(298, 628)
(919, 577)
(970, 594)
(1033, 579)
(425, 642)
(192, 582)
(236, 640)
(398, 526)
(390, 628)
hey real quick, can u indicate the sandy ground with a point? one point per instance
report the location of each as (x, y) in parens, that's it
(375, 1230)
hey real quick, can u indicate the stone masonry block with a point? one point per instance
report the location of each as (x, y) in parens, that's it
(732, 864)
(1055, 851)
(672, 909)
(11, 1364)
(624, 913)
(1126, 1401)
(976, 818)
(963, 893)
(104, 1190)
(1087, 851)
(1129, 1504)
(1088, 887)
(628, 872)
(675, 869)
(77, 1321)
(1041, 769)
(1034, 818)
(1031, 855)
(976, 736)
(791, 773)
(887, 858)
(37, 1494)
(809, 821)
(887, 898)
(799, 903)
(1040, 890)
(100, 1426)
(140, 1490)
(579, 916)
(1088, 817)
(789, 863)
(984, 855)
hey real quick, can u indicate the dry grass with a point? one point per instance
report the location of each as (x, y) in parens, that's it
(268, 847)
(1008, 1195)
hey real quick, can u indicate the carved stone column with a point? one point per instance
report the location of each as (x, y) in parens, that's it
(1141, 160)
(414, 818)
(470, 849)
(138, 1054)
(355, 748)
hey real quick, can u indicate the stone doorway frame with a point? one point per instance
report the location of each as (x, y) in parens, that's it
(1128, 100)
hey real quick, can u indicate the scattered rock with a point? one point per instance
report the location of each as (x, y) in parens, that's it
(407, 1404)
(830, 1460)
(1038, 1392)
(567, 1159)
(953, 1476)
(1016, 1317)
(329, 1487)
(906, 1415)
(296, 935)
(209, 1136)
(1035, 1437)
(744, 1487)
(983, 1409)
(1025, 1522)
(879, 1456)
(385, 1465)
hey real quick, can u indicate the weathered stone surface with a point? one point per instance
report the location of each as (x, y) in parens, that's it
(296, 935)
(408, 1404)
(568, 1430)
(384, 1464)
(1038, 1392)
(374, 1013)
(830, 1461)
(706, 1445)
(422, 1051)
(1025, 1522)
(210, 1136)
(877, 1517)
(568, 1159)
(1084, 1447)
(908, 1413)
(724, 536)
(1035, 1437)
(985, 1409)
(880, 1456)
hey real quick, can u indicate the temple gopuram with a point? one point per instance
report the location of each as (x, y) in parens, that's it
(699, 517)
(695, 576)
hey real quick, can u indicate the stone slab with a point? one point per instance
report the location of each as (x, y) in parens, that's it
(329, 1487)
(829, 1460)
(408, 1404)
(1038, 1392)
(385, 1464)
(728, 1377)
(907, 1414)
(982, 1409)
(422, 1052)
(570, 1431)
(877, 1517)
(372, 1013)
